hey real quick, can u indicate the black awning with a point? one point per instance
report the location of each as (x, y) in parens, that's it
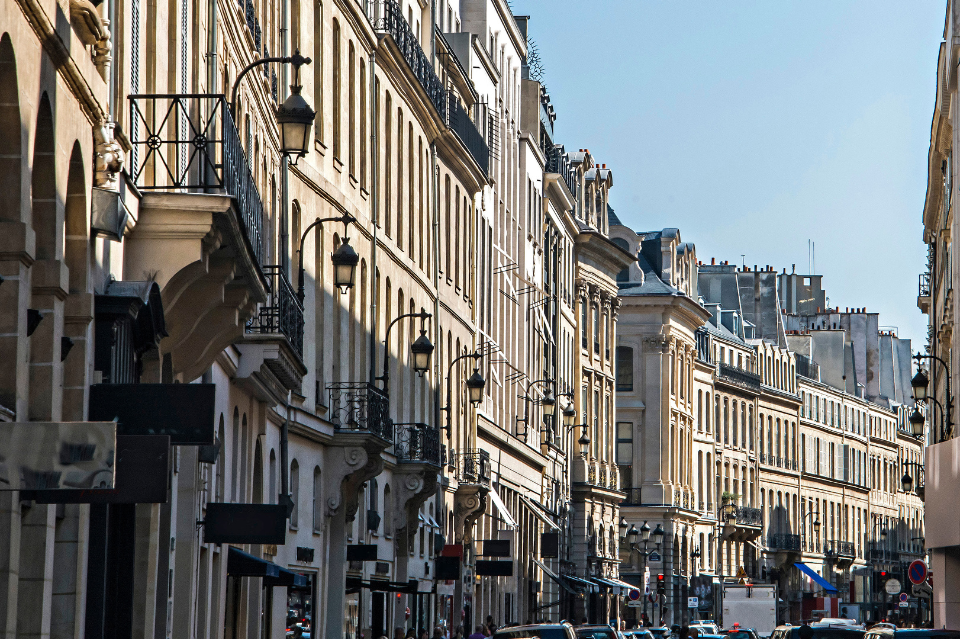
(286, 578)
(242, 564)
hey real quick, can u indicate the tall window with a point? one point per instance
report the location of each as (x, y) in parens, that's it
(446, 204)
(388, 165)
(318, 67)
(399, 179)
(352, 108)
(411, 193)
(625, 368)
(337, 112)
(363, 125)
(624, 443)
(583, 323)
(295, 493)
(317, 500)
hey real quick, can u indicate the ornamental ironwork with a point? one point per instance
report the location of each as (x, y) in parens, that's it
(360, 407)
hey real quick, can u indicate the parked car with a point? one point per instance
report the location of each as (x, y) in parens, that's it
(740, 633)
(705, 628)
(598, 632)
(827, 631)
(886, 632)
(660, 632)
(537, 631)
(638, 633)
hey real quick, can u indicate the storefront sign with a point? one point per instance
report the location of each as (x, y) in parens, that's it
(185, 412)
(57, 455)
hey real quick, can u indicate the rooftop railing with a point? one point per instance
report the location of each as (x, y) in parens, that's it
(739, 376)
(188, 143)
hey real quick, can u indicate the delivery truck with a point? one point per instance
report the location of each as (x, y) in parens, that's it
(750, 607)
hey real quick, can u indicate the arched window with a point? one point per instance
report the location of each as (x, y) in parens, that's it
(337, 110)
(295, 493)
(388, 165)
(317, 500)
(387, 512)
(351, 107)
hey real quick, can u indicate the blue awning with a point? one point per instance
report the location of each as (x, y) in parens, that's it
(809, 572)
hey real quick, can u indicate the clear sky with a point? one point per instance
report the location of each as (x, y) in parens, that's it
(754, 127)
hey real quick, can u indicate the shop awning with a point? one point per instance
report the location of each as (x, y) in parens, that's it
(624, 586)
(539, 512)
(509, 521)
(553, 575)
(242, 564)
(286, 578)
(606, 583)
(583, 584)
(809, 572)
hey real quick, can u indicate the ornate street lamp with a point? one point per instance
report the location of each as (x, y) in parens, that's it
(633, 534)
(549, 402)
(907, 482)
(421, 349)
(919, 384)
(295, 120)
(917, 421)
(645, 532)
(475, 384)
(658, 534)
(584, 443)
(345, 261)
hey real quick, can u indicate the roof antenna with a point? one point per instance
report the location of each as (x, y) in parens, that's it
(743, 261)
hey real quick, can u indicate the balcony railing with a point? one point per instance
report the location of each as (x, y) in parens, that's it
(632, 498)
(188, 143)
(250, 12)
(416, 443)
(282, 312)
(839, 548)
(747, 516)
(360, 407)
(387, 16)
(784, 541)
(740, 376)
(924, 288)
(473, 467)
(558, 162)
(460, 123)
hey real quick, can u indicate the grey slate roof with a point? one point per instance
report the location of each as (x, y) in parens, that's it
(612, 217)
(651, 284)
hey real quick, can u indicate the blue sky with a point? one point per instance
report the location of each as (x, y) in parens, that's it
(754, 127)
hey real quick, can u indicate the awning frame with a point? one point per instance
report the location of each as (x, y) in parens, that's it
(243, 564)
(810, 572)
(509, 521)
(539, 513)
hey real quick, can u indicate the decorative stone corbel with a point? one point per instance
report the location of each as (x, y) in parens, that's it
(470, 501)
(350, 468)
(109, 156)
(87, 22)
(103, 48)
(412, 491)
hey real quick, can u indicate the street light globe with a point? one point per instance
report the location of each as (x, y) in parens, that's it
(569, 413)
(584, 443)
(919, 384)
(421, 349)
(917, 421)
(907, 482)
(645, 532)
(632, 535)
(549, 402)
(295, 121)
(816, 526)
(345, 261)
(883, 534)
(658, 533)
(475, 385)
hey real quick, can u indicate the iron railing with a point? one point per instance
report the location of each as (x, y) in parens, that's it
(632, 498)
(387, 16)
(747, 516)
(473, 467)
(924, 289)
(704, 352)
(250, 12)
(740, 376)
(360, 407)
(558, 162)
(189, 143)
(282, 312)
(416, 442)
(839, 548)
(460, 123)
(784, 541)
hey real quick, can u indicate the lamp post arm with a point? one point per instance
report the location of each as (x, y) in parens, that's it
(948, 427)
(385, 378)
(346, 218)
(526, 399)
(296, 59)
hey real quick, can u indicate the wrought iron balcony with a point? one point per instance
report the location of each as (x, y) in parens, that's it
(417, 443)
(360, 407)
(386, 16)
(188, 143)
(739, 376)
(473, 467)
(460, 123)
(250, 12)
(924, 288)
(558, 162)
(784, 541)
(837, 548)
(282, 312)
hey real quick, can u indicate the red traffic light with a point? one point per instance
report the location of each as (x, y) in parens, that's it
(660, 576)
(883, 573)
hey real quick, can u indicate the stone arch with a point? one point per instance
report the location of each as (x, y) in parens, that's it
(76, 243)
(44, 185)
(11, 133)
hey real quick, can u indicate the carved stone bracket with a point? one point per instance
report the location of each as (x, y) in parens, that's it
(470, 501)
(348, 468)
(656, 342)
(413, 489)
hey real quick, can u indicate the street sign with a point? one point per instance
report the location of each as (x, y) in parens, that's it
(654, 558)
(633, 595)
(904, 604)
(892, 587)
(692, 602)
(904, 596)
(917, 572)
(634, 604)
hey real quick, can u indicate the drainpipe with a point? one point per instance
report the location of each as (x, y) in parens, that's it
(374, 210)
(284, 496)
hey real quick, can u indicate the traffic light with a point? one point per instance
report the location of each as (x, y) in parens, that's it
(661, 584)
(881, 579)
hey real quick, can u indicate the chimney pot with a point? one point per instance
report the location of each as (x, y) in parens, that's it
(713, 261)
